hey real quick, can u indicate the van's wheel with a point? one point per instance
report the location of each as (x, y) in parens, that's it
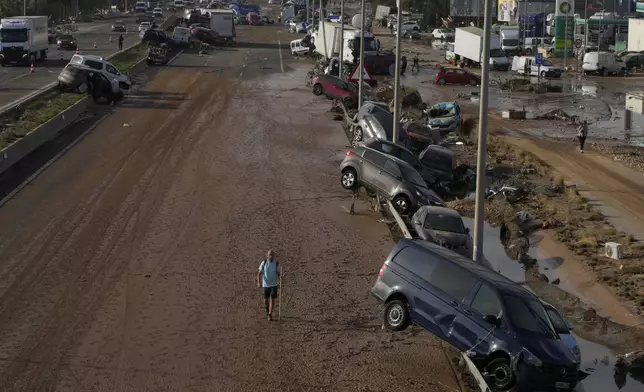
(401, 202)
(441, 81)
(317, 90)
(358, 134)
(602, 72)
(396, 315)
(500, 374)
(349, 178)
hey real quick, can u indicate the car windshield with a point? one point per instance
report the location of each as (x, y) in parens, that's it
(66, 38)
(547, 63)
(561, 327)
(496, 53)
(528, 315)
(9, 35)
(441, 222)
(443, 109)
(412, 176)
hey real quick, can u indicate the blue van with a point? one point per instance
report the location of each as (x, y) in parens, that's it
(501, 326)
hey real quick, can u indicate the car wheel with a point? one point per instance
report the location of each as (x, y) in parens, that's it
(402, 204)
(348, 102)
(500, 374)
(543, 74)
(349, 178)
(441, 81)
(473, 82)
(396, 315)
(358, 134)
(602, 72)
(415, 28)
(317, 90)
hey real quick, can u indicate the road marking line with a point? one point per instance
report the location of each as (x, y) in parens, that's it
(175, 57)
(14, 78)
(240, 74)
(52, 160)
(279, 49)
(243, 65)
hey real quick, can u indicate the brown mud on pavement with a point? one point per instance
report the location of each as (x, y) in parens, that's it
(130, 263)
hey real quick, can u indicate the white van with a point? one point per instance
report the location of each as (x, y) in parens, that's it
(525, 65)
(140, 7)
(103, 66)
(297, 49)
(181, 35)
(603, 63)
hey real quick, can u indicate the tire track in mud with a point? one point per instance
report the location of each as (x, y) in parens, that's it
(54, 337)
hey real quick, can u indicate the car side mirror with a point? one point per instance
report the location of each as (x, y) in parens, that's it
(493, 320)
(467, 230)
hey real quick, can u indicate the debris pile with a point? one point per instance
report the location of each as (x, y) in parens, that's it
(558, 114)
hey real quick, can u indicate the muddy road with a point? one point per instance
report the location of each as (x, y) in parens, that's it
(130, 263)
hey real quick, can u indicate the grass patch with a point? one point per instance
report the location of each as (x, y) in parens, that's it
(18, 122)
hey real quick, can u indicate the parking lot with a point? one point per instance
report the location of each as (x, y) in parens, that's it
(130, 263)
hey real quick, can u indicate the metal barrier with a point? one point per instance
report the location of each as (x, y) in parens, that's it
(478, 377)
(45, 89)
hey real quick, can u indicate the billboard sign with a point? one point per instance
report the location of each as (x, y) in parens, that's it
(507, 10)
(468, 8)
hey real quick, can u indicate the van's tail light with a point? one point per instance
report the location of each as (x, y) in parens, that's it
(382, 269)
(349, 153)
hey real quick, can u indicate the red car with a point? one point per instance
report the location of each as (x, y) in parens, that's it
(336, 88)
(456, 76)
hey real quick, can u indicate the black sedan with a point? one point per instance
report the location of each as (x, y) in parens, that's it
(119, 27)
(66, 41)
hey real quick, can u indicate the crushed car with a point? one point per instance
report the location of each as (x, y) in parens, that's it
(445, 117)
(501, 326)
(158, 54)
(374, 120)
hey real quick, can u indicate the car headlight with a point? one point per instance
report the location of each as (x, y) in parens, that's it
(58, 42)
(530, 358)
(576, 352)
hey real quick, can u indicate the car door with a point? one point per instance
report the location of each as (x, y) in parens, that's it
(470, 327)
(114, 72)
(462, 77)
(390, 178)
(371, 168)
(439, 301)
(449, 76)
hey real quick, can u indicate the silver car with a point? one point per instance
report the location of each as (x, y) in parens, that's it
(375, 121)
(388, 176)
(444, 117)
(443, 226)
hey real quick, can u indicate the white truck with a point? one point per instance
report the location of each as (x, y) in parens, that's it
(510, 43)
(328, 45)
(468, 46)
(23, 40)
(223, 23)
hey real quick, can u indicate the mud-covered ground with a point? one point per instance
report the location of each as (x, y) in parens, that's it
(130, 263)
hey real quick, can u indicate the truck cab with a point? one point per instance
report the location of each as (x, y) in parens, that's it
(23, 40)
(510, 40)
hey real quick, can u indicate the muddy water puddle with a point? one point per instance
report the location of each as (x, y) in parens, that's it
(597, 361)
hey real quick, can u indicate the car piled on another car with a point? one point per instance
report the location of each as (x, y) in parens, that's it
(443, 226)
(335, 88)
(444, 117)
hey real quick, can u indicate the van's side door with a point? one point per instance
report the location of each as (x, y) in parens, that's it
(440, 299)
(470, 328)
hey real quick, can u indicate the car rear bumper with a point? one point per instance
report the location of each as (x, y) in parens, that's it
(380, 291)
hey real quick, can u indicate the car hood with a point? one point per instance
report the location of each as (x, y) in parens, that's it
(446, 237)
(552, 351)
(430, 195)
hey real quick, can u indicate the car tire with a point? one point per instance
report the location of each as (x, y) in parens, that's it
(396, 315)
(602, 72)
(500, 374)
(317, 90)
(473, 82)
(402, 204)
(349, 179)
(543, 74)
(358, 134)
(441, 81)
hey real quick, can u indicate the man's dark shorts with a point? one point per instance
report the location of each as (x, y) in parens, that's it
(270, 292)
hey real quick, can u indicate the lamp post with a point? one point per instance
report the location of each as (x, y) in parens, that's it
(397, 75)
(340, 65)
(361, 70)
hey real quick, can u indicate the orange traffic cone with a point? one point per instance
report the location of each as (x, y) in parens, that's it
(32, 69)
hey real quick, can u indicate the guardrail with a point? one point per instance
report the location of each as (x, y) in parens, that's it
(474, 371)
(45, 89)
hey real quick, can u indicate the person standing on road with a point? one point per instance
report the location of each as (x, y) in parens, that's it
(416, 65)
(121, 42)
(582, 133)
(268, 279)
(403, 66)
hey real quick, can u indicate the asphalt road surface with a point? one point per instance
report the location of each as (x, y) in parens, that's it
(17, 82)
(130, 263)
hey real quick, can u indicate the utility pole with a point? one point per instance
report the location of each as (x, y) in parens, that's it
(24, 7)
(567, 35)
(321, 28)
(340, 65)
(361, 70)
(397, 75)
(479, 214)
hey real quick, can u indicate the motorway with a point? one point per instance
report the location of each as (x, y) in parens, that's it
(17, 82)
(130, 264)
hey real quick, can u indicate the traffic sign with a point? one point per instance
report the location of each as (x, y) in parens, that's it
(538, 58)
(578, 43)
(354, 76)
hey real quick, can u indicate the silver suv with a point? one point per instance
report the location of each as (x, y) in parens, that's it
(391, 177)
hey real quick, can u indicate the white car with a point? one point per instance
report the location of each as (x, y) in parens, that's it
(144, 26)
(443, 34)
(603, 63)
(409, 26)
(157, 12)
(103, 66)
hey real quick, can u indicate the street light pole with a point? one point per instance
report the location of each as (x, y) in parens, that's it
(479, 209)
(24, 7)
(566, 43)
(341, 63)
(397, 75)
(361, 70)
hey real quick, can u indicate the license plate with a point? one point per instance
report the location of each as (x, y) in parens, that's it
(562, 385)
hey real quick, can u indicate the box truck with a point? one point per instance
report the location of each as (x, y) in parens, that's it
(23, 40)
(468, 47)
(223, 23)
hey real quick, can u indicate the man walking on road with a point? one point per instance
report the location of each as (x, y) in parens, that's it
(268, 279)
(121, 42)
(582, 133)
